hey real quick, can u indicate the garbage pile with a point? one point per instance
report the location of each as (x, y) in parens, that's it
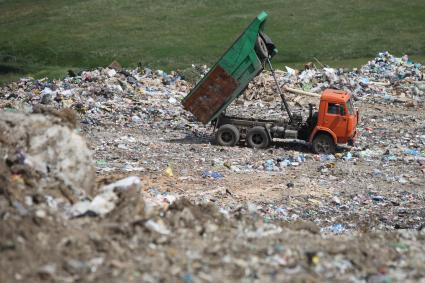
(144, 96)
(167, 204)
(133, 240)
(105, 95)
(385, 79)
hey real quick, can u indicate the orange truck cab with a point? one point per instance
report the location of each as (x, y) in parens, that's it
(336, 121)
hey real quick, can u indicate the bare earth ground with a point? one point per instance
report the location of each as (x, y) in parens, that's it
(354, 220)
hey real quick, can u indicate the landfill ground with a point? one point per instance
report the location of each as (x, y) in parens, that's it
(206, 213)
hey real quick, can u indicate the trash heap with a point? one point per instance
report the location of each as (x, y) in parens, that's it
(105, 95)
(143, 96)
(166, 205)
(123, 235)
(385, 79)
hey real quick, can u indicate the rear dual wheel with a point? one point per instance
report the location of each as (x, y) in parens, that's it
(227, 135)
(257, 137)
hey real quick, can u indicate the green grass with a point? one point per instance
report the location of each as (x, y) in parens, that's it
(12, 72)
(46, 37)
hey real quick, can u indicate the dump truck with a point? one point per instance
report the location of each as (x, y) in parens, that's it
(334, 123)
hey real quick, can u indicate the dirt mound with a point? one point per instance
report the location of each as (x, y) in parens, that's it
(43, 153)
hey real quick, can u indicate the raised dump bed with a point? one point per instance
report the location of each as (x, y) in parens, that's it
(335, 122)
(229, 77)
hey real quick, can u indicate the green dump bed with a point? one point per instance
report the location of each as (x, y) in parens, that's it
(229, 77)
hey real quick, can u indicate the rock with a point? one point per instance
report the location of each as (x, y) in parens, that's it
(336, 200)
(54, 155)
(101, 205)
(107, 200)
(124, 184)
(47, 271)
(136, 119)
(157, 227)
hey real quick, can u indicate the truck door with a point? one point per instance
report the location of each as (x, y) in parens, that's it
(335, 119)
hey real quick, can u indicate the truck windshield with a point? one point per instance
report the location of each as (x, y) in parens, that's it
(350, 107)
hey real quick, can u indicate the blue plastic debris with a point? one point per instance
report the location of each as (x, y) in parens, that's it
(291, 160)
(301, 158)
(269, 165)
(337, 228)
(365, 80)
(285, 163)
(390, 158)
(413, 152)
(327, 157)
(348, 156)
(212, 174)
(187, 277)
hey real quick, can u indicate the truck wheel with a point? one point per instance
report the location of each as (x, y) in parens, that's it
(227, 135)
(323, 143)
(261, 48)
(257, 137)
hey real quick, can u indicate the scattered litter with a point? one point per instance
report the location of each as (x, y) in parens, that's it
(169, 171)
(281, 210)
(212, 174)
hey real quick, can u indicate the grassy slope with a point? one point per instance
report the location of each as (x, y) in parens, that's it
(173, 34)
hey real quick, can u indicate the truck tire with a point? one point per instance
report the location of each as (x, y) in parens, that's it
(261, 48)
(227, 135)
(257, 137)
(323, 143)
